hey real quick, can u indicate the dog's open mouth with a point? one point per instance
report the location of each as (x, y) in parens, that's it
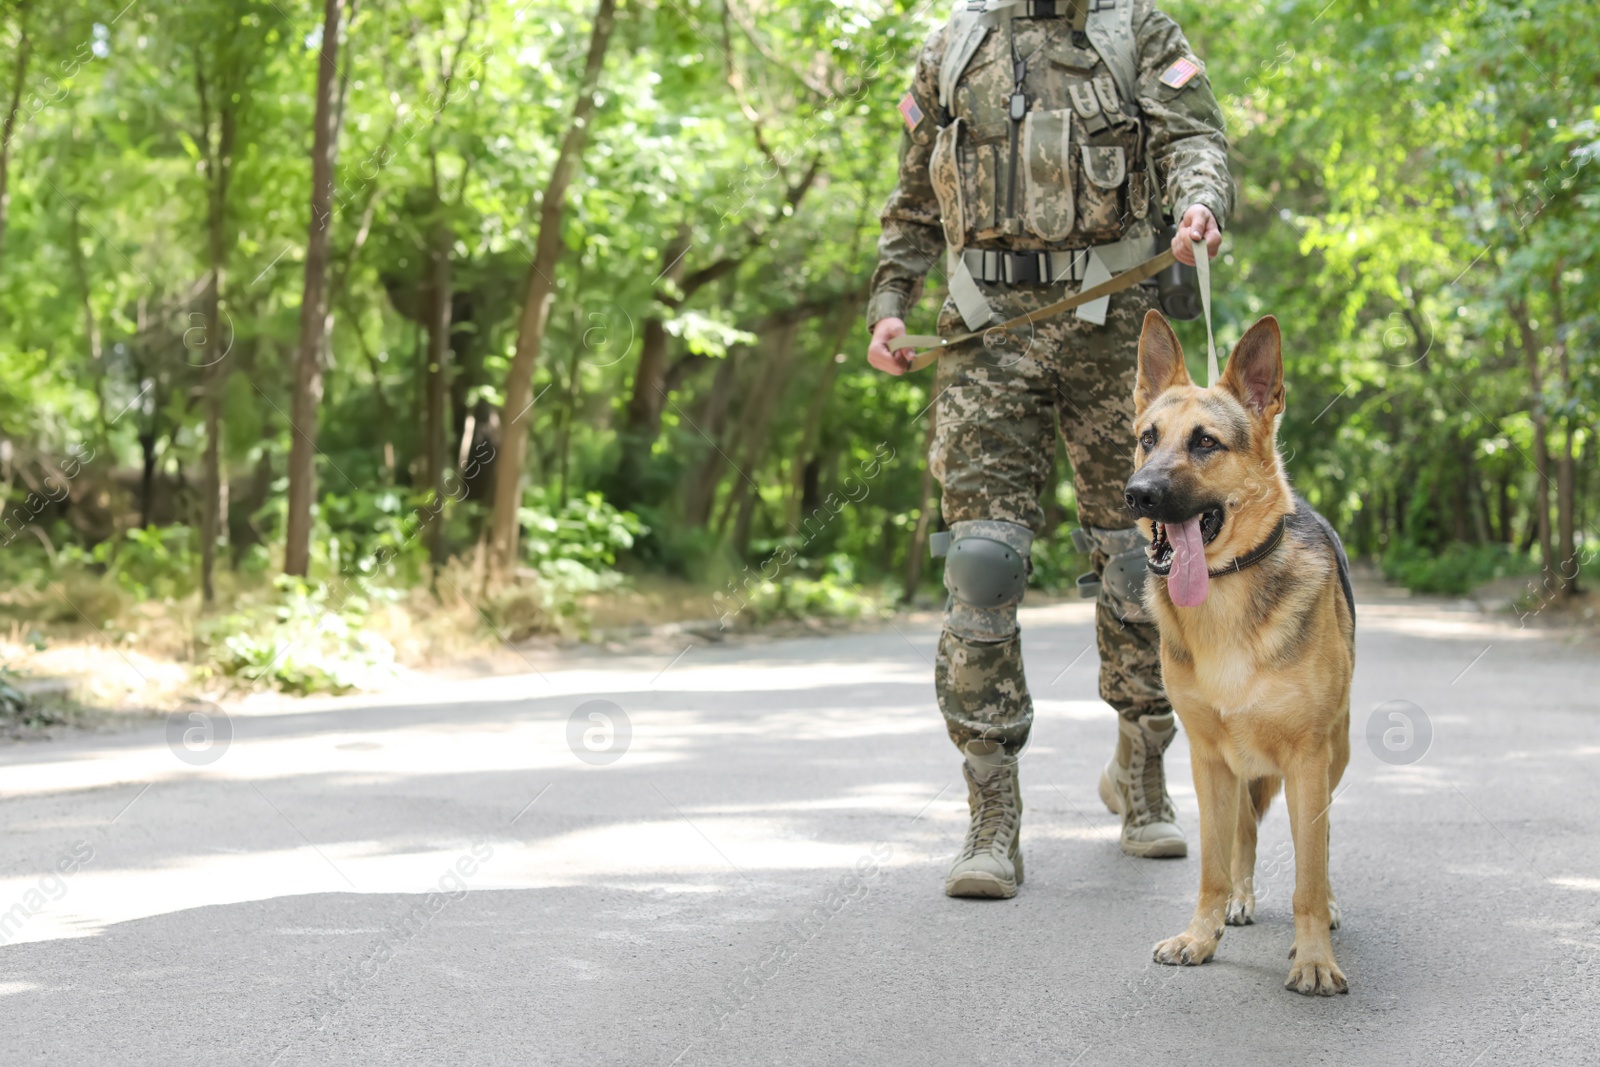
(1160, 550)
(1177, 553)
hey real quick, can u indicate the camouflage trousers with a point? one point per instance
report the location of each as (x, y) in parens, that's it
(997, 410)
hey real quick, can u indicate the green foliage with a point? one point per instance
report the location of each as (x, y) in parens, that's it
(1455, 570)
(14, 704)
(374, 533)
(1056, 563)
(673, 547)
(300, 638)
(572, 550)
(820, 589)
(155, 562)
(585, 530)
(20, 710)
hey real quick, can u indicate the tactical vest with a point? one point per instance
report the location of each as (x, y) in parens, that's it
(1080, 177)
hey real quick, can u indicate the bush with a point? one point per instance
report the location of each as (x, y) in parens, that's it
(148, 563)
(807, 598)
(574, 548)
(377, 532)
(303, 638)
(14, 703)
(570, 550)
(1455, 570)
(585, 530)
(804, 589)
(18, 710)
(669, 545)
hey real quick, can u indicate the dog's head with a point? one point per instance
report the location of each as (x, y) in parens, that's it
(1207, 482)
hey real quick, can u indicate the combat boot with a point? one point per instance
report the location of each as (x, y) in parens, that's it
(1134, 785)
(990, 863)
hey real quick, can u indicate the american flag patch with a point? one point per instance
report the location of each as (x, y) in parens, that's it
(1178, 75)
(910, 111)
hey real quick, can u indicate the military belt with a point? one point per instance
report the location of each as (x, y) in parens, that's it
(1026, 268)
(1071, 266)
(1039, 9)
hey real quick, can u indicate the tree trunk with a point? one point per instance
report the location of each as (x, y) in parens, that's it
(751, 444)
(569, 405)
(436, 409)
(466, 366)
(313, 304)
(701, 494)
(1541, 451)
(535, 316)
(642, 418)
(1478, 503)
(1461, 518)
(811, 429)
(18, 78)
(147, 475)
(212, 357)
(91, 325)
(1566, 482)
(1508, 530)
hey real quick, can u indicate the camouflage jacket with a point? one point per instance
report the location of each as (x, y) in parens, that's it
(1086, 158)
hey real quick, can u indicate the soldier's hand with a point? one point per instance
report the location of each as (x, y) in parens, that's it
(1198, 224)
(878, 353)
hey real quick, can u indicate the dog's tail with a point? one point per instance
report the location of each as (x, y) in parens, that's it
(1262, 790)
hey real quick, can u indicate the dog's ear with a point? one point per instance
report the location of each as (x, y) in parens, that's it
(1255, 369)
(1160, 361)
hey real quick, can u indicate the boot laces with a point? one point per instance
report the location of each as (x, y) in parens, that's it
(994, 810)
(1148, 784)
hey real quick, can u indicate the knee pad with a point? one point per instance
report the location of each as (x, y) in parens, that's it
(986, 571)
(1120, 585)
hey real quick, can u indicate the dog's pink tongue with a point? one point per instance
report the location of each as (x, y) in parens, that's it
(1188, 582)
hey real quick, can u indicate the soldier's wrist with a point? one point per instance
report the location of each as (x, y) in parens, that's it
(885, 305)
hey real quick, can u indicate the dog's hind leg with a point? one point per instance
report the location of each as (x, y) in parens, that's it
(1254, 796)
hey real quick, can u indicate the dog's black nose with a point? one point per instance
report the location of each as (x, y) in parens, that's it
(1144, 495)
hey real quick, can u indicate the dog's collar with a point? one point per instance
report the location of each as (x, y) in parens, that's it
(1256, 554)
(1239, 563)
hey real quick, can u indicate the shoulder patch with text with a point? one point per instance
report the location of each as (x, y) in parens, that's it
(1178, 75)
(910, 111)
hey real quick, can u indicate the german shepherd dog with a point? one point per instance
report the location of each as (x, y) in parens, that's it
(1257, 628)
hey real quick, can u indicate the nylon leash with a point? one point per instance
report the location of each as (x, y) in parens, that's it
(1127, 279)
(1202, 264)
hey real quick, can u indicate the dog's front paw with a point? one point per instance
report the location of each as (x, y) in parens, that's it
(1315, 974)
(1242, 908)
(1186, 950)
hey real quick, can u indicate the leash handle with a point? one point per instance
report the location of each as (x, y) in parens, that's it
(1202, 263)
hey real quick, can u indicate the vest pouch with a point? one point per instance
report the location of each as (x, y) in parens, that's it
(944, 173)
(1139, 193)
(1048, 202)
(1105, 170)
(983, 193)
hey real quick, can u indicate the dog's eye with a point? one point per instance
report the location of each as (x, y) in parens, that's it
(1148, 439)
(1207, 441)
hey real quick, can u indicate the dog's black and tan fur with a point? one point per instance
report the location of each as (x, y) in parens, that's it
(1259, 672)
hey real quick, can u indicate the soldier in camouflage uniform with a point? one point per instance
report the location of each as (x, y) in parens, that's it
(1038, 138)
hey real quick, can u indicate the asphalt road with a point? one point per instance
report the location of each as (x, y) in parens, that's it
(756, 877)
